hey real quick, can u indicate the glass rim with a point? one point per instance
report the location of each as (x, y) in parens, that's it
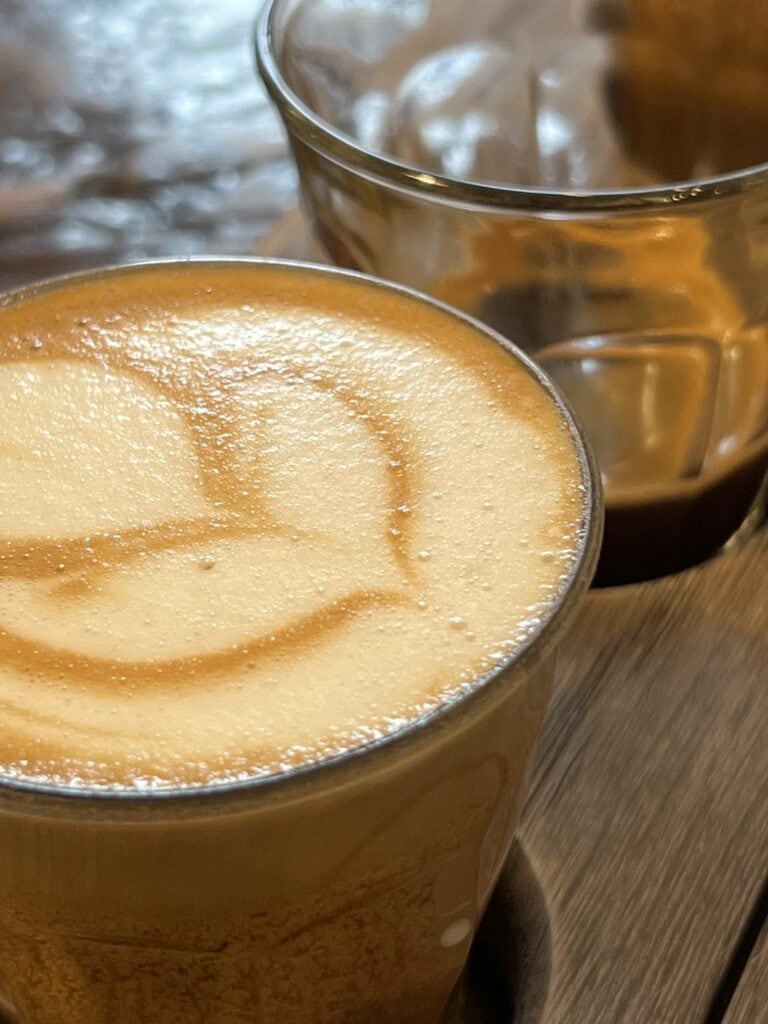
(332, 142)
(291, 784)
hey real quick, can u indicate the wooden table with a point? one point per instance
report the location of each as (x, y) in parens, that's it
(648, 819)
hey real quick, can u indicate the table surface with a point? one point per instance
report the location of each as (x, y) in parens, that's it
(642, 870)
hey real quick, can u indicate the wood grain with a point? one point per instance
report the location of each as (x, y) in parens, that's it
(750, 1005)
(647, 823)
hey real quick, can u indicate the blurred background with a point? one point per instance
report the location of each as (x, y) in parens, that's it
(132, 129)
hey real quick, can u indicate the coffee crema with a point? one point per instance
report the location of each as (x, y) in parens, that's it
(254, 516)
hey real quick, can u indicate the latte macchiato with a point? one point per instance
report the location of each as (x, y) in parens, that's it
(249, 523)
(283, 552)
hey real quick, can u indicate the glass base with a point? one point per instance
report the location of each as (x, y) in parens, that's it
(507, 977)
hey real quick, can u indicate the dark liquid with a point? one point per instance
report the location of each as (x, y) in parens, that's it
(645, 541)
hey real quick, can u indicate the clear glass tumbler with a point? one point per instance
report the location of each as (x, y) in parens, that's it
(343, 892)
(572, 173)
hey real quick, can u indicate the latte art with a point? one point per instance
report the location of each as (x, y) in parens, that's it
(252, 518)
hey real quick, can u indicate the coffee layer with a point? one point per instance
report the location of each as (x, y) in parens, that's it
(251, 518)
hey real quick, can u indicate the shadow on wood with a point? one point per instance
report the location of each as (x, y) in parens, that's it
(507, 978)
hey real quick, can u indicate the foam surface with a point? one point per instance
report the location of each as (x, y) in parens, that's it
(251, 518)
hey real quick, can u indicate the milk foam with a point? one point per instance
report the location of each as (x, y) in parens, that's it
(254, 517)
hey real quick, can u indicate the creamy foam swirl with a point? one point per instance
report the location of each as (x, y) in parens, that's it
(250, 518)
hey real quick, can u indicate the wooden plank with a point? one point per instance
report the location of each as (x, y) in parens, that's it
(750, 1004)
(647, 823)
(648, 817)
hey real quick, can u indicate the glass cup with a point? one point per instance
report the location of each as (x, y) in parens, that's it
(515, 160)
(341, 892)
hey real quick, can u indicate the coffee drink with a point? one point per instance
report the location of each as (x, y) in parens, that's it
(255, 519)
(242, 530)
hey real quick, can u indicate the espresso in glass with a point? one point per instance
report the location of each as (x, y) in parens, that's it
(283, 554)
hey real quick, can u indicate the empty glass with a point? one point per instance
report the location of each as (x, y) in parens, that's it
(570, 173)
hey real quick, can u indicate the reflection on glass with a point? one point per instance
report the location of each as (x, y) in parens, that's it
(649, 314)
